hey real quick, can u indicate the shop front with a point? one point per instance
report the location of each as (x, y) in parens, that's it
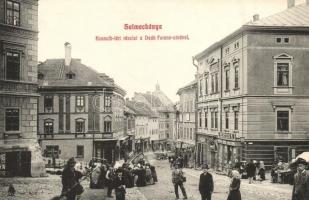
(106, 149)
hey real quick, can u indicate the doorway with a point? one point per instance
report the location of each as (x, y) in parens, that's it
(18, 163)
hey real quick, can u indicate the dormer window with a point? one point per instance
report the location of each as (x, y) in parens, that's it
(70, 75)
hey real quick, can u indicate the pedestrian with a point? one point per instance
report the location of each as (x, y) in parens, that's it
(154, 173)
(261, 172)
(70, 181)
(234, 193)
(301, 181)
(110, 178)
(119, 183)
(251, 171)
(178, 179)
(206, 184)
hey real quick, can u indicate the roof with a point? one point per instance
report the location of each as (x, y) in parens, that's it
(297, 16)
(294, 18)
(188, 86)
(54, 75)
(140, 108)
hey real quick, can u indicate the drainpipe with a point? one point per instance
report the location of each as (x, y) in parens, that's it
(221, 95)
(195, 107)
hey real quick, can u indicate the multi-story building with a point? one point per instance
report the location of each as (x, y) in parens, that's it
(129, 130)
(81, 111)
(145, 125)
(185, 117)
(164, 109)
(20, 154)
(252, 91)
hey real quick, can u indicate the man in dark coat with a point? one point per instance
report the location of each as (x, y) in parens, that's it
(301, 181)
(70, 181)
(251, 168)
(206, 185)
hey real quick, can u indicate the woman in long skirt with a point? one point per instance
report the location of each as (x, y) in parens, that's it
(234, 193)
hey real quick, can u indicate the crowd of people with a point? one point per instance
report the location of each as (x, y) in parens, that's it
(105, 175)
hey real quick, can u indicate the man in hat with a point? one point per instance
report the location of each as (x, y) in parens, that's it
(301, 181)
(70, 181)
(178, 179)
(206, 185)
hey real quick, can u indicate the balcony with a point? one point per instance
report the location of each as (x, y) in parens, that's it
(88, 135)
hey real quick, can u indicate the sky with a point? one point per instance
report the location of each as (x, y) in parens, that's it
(138, 65)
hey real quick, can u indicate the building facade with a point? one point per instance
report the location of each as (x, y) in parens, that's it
(185, 117)
(252, 92)
(20, 154)
(81, 111)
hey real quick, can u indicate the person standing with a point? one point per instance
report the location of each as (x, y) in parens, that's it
(119, 183)
(301, 181)
(251, 171)
(110, 178)
(206, 184)
(70, 181)
(234, 193)
(178, 179)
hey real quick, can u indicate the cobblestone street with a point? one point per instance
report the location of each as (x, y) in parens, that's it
(48, 187)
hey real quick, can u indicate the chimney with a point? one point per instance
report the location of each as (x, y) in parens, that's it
(291, 3)
(256, 17)
(67, 53)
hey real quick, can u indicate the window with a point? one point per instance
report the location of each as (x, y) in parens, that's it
(70, 75)
(227, 79)
(52, 151)
(236, 120)
(216, 83)
(236, 84)
(107, 124)
(80, 126)
(40, 76)
(212, 84)
(282, 120)
(201, 87)
(206, 85)
(108, 101)
(236, 45)
(200, 119)
(282, 74)
(80, 101)
(12, 70)
(48, 126)
(12, 13)
(216, 119)
(11, 119)
(278, 40)
(226, 120)
(48, 103)
(227, 50)
(80, 151)
(286, 40)
(206, 121)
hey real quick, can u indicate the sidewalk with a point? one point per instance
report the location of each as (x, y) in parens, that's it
(260, 190)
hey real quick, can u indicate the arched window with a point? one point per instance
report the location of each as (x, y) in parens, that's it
(107, 124)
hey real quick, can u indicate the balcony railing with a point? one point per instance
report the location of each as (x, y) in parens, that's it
(86, 135)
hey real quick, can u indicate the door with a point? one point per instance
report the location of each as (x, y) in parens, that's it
(18, 163)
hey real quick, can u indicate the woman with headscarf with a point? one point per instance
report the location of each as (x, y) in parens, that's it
(234, 193)
(261, 172)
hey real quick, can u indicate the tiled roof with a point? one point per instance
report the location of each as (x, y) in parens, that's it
(297, 16)
(140, 108)
(54, 75)
(190, 85)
